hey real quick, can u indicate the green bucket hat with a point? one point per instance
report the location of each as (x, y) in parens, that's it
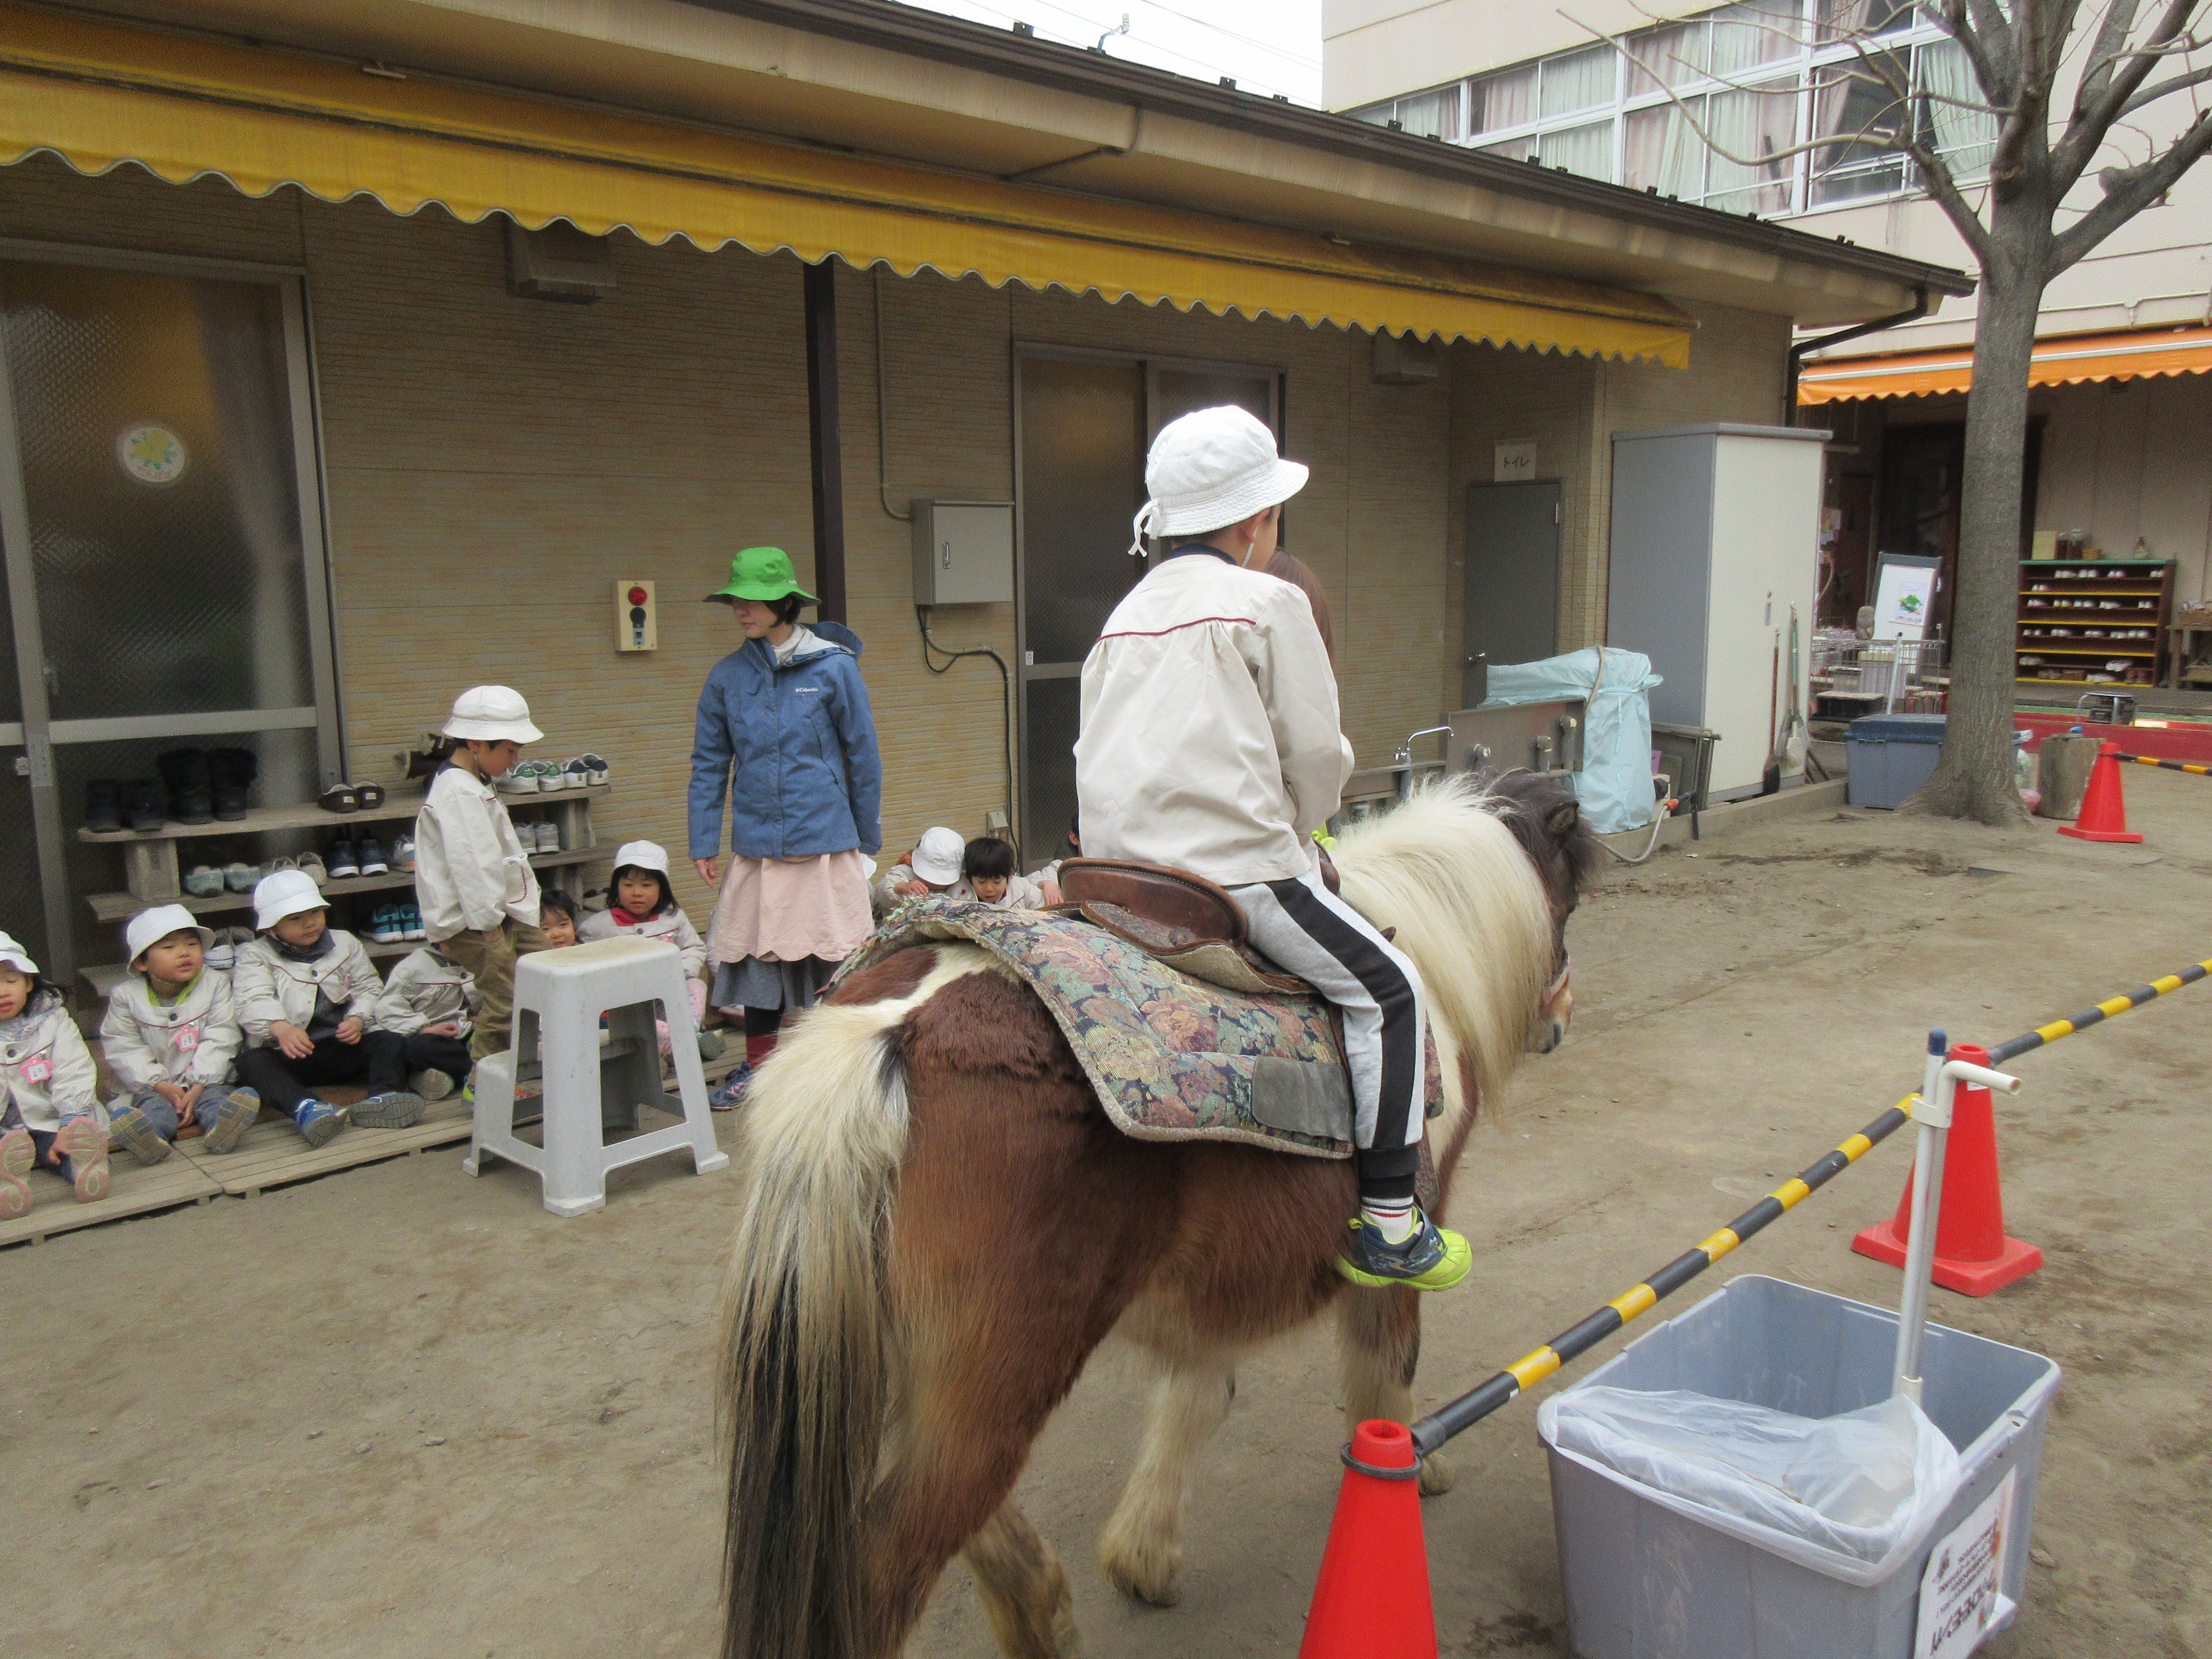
(762, 575)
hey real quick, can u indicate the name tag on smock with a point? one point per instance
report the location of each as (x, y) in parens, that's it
(37, 1069)
(187, 1038)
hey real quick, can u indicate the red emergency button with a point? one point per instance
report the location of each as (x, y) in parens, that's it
(637, 596)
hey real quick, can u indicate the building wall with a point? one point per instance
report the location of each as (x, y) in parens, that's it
(1377, 49)
(2127, 460)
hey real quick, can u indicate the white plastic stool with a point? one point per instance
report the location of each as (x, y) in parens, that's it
(592, 1087)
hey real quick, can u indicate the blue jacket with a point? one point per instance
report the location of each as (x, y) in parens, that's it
(803, 745)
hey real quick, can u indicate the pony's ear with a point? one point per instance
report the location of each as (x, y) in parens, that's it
(1561, 822)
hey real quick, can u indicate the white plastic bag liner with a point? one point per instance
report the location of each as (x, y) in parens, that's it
(1614, 785)
(1852, 1496)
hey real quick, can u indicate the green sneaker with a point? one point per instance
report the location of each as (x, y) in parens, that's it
(1433, 1259)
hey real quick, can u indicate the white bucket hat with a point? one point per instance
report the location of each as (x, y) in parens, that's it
(286, 893)
(150, 927)
(13, 955)
(491, 713)
(1211, 468)
(642, 855)
(937, 858)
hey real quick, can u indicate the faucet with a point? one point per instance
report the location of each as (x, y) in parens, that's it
(1402, 762)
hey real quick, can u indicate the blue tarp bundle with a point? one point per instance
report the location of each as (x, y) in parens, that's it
(1614, 785)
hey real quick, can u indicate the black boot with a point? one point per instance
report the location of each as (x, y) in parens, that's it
(103, 805)
(191, 798)
(142, 804)
(233, 772)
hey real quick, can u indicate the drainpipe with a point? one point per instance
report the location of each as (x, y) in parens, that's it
(1821, 342)
(823, 437)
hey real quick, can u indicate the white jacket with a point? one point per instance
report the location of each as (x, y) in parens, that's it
(268, 985)
(1211, 738)
(428, 988)
(470, 871)
(1021, 891)
(45, 1068)
(671, 924)
(193, 1040)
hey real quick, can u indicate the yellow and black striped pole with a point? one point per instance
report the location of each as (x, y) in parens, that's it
(1470, 1408)
(2170, 765)
(2002, 1051)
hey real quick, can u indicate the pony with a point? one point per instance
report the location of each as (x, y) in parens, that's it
(887, 1358)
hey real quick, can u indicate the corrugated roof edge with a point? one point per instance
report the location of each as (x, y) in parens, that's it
(1000, 52)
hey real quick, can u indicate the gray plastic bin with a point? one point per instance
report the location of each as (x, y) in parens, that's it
(1892, 756)
(1643, 1582)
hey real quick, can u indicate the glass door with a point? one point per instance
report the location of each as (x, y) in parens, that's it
(162, 520)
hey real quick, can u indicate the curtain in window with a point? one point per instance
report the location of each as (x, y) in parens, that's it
(1745, 36)
(1668, 56)
(1664, 151)
(1580, 79)
(1967, 136)
(1756, 121)
(1503, 100)
(1586, 150)
(1432, 114)
(1841, 19)
(1850, 98)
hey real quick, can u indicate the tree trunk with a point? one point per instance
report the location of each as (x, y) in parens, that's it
(1973, 779)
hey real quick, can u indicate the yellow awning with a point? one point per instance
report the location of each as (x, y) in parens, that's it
(100, 94)
(2063, 360)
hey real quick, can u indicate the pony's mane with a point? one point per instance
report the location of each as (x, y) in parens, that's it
(1445, 871)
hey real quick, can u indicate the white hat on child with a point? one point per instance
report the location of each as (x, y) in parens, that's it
(937, 857)
(642, 855)
(13, 955)
(1211, 468)
(150, 927)
(491, 713)
(285, 893)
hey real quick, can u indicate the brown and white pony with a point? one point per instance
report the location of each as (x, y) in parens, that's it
(940, 1224)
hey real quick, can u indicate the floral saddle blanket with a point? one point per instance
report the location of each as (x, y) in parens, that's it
(1170, 1057)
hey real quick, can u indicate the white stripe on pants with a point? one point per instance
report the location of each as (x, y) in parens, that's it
(1306, 930)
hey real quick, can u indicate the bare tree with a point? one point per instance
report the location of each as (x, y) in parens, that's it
(2023, 232)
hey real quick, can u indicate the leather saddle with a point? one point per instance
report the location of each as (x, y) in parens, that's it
(1184, 920)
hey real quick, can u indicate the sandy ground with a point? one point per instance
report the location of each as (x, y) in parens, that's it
(398, 1412)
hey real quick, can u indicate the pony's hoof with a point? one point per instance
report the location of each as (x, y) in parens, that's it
(1149, 1576)
(1436, 1478)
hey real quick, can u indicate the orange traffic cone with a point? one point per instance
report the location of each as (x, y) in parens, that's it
(2104, 809)
(1973, 1254)
(1372, 1600)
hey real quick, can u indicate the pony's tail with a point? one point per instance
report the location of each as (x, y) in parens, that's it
(807, 1336)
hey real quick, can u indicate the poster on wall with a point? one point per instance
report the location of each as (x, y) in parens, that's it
(1903, 596)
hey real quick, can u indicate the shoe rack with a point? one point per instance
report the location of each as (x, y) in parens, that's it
(2078, 617)
(154, 862)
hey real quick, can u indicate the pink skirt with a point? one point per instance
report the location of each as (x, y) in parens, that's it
(787, 909)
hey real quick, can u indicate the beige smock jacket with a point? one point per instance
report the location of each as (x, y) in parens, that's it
(1023, 893)
(427, 989)
(671, 924)
(1211, 738)
(192, 1040)
(46, 1072)
(268, 985)
(470, 871)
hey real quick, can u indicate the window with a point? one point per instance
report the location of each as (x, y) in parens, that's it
(1760, 78)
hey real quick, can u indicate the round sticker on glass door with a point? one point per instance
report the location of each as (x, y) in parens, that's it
(152, 454)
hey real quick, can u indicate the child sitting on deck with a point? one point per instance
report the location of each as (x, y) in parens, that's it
(430, 1003)
(47, 1073)
(170, 1034)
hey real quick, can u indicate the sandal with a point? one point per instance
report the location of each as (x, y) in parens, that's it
(339, 798)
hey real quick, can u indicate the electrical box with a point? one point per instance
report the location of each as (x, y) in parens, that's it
(964, 552)
(558, 263)
(636, 619)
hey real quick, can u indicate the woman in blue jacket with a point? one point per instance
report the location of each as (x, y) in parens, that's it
(785, 735)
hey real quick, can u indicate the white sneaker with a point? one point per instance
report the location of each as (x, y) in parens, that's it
(548, 837)
(521, 778)
(403, 858)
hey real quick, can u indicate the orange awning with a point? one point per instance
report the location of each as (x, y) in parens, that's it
(2065, 360)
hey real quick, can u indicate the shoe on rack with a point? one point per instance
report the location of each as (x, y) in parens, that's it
(1431, 1259)
(577, 773)
(285, 863)
(339, 798)
(319, 1121)
(103, 805)
(231, 773)
(521, 778)
(142, 806)
(311, 863)
(370, 851)
(203, 881)
(370, 795)
(239, 876)
(343, 865)
(191, 792)
(595, 770)
(548, 836)
(232, 1118)
(394, 1109)
(402, 853)
(385, 926)
(415, 931)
